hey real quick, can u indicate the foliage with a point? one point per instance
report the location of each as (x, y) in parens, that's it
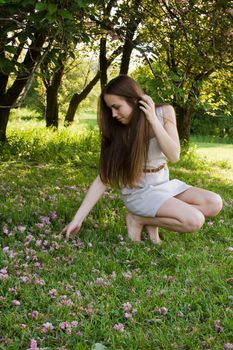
(187, 42)
(99, 288)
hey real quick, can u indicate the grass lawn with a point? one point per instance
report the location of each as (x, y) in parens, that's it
(100, 288)
(215, 152)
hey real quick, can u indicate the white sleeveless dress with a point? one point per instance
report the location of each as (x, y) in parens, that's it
(153, 189)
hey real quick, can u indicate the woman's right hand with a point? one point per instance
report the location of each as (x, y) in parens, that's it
(73, 227)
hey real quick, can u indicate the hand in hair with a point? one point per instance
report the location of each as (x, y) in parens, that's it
(148, 107)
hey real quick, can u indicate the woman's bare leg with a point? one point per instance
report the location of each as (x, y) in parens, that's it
(174, 215)
(184, 213)
(134, 228)
(153, 233)
(209, 203)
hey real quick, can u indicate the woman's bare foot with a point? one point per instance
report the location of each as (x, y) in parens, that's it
(153, 232)
(134, 228)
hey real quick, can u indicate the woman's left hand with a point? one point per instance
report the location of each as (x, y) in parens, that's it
(146, 104)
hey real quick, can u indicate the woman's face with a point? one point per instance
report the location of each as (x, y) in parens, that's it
(121, 109)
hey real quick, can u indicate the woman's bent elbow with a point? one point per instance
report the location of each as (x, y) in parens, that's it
(175, 158)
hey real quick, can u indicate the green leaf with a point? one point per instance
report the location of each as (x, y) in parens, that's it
(11, 49)
(65, 14)
(52, 8)
(41, 7)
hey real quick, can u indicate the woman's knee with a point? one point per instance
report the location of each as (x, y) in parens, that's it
(194, 221)
(214, 205)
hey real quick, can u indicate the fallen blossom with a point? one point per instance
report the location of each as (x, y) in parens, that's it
(53, 215)
(39, 282)
(45, 220)
(52, 293)
(4, 273)
(34, 314)
(65, 301)
(21, 228)
(15, 302)
(113, 274)
(217, 326)
(5, 229)
(78, 294)
(161, 311)
(127, 306)
(228, 346)
(127, 275)
(119, 327)
(46, 327)
(33, 345)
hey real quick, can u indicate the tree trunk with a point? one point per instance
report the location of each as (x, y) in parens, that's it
(184, 114)
(4, 117)
(9, 97)
(135, 19)
(78, 98)
(103, 62)
(51, 113)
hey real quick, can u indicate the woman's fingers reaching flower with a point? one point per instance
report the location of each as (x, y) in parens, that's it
(72, 227)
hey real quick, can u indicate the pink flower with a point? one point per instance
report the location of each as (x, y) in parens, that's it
(24, 279)
(127, 275)
(53, 293)
(15, 302)
(38, 243)
(210, 223)
(46, 327)
(64, 325)
(128, 315)
(39, 282)
(230, 249)
(79, 334)
(228, 346)
(29, 237)
(33, 345)
(161, 311)
(113, 274)
(39, 225)
(34, 315)
(5, 229)
(21, 228)
(65, 301)
(127, 306)
(78, 294)
(53, 215)
(119, 327)
(3, 273)
(45, 220)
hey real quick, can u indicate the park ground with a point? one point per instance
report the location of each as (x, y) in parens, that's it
(99, 290)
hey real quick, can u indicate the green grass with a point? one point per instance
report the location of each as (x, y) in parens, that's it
(215, 151)
(91, 277)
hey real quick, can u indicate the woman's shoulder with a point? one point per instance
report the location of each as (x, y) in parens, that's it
(169, 113)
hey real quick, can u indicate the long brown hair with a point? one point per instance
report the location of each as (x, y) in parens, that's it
(123, 147)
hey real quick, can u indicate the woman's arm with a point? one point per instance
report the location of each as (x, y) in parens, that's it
(166, 135)
(95, 192)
